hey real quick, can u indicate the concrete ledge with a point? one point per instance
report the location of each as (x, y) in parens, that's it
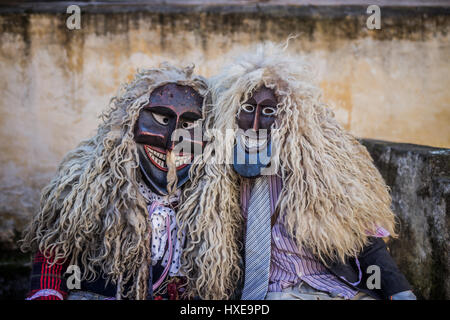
(301, 8)
(273, 22)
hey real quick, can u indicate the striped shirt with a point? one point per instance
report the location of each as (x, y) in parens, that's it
(289, 265)
(47, 279)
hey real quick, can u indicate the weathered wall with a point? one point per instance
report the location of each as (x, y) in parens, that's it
(389, 84)
(419, 178)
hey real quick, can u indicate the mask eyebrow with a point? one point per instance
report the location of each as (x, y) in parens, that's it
(251, 101)
(268, 103)
(161, 110)
(190, 115)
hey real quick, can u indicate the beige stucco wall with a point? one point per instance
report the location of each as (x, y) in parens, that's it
(54, 82)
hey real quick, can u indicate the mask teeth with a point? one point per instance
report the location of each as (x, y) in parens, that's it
(160, 158)
(254, 143)
(181, 160)
(159, 155)
(161, 163)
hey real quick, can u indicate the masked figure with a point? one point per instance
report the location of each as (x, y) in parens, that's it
(297, 206)
(107, 226)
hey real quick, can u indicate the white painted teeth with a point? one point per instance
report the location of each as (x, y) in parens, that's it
(254, 143)
(159, 155)
(160, 158)
(162, 164)
(180, 160)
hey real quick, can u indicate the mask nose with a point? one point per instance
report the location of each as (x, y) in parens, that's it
(170, 142)
(170, 145)
(176, 137)
(256, 118)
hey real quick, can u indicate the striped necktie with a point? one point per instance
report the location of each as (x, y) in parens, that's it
(257, 242)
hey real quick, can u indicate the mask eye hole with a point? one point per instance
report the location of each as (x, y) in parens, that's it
(188, 124)
(161, 119)
(248, 108)
(269, 111)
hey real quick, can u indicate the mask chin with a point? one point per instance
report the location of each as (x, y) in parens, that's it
(250, 165)
(155, 178)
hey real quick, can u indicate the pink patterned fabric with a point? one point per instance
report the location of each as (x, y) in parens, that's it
(381, 233)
